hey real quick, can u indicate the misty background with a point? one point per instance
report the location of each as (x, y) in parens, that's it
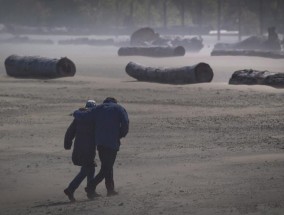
(247, 17)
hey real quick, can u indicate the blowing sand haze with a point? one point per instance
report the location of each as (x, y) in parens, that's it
(209, 148)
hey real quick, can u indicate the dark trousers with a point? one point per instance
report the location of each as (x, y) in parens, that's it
(107, 158)
(86, 171)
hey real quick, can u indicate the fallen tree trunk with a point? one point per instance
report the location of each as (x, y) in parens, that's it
(198, 73)
(153, 51)
(256, 53)
(252, 77)
(39, 67)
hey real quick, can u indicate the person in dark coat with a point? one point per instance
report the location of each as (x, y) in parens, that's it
(84, 149)
(112, 124)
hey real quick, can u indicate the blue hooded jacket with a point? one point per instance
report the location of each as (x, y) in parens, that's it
(111, 122)
(83, 130)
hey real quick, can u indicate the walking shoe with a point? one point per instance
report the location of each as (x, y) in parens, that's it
(112, 193)
(70, 195)
(91, 194)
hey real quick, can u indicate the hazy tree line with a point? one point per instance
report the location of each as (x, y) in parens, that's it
(249, 16)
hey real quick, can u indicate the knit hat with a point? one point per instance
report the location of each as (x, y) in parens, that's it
(90, 104)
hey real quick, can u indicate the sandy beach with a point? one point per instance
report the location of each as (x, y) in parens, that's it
(209, 148)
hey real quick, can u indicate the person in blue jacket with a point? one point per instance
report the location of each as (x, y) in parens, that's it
(84, 149)
(112, 124)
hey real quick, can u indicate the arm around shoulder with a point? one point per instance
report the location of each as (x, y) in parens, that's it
(69, 135)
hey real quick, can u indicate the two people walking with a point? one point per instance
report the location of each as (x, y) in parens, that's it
(93, 127)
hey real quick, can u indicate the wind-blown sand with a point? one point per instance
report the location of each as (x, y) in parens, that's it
(201, 149)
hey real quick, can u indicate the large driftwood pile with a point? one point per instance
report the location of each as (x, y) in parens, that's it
(194, 44)
(39, 67)
(260, 46)
(143, 36)
(198, 73)
(148, 37)
(152, 51)
(250, 43)
(252, 77)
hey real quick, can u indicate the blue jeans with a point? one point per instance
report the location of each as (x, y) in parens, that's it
(86, 171)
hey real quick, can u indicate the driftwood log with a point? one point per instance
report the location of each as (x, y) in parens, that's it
(39, 67)
(198, 73)
(257, 53)
(153, 51)
(87, 41)
(252, 77)
(25, 40)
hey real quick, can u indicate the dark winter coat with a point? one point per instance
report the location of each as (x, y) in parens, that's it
(83, 130)
(111, 122)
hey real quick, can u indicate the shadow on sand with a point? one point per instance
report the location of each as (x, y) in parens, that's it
(61, 203)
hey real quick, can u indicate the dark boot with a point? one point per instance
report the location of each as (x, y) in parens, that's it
(70, 195)
(110, 188)
(91, 194)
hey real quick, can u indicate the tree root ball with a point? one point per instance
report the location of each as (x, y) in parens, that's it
(252, 77)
